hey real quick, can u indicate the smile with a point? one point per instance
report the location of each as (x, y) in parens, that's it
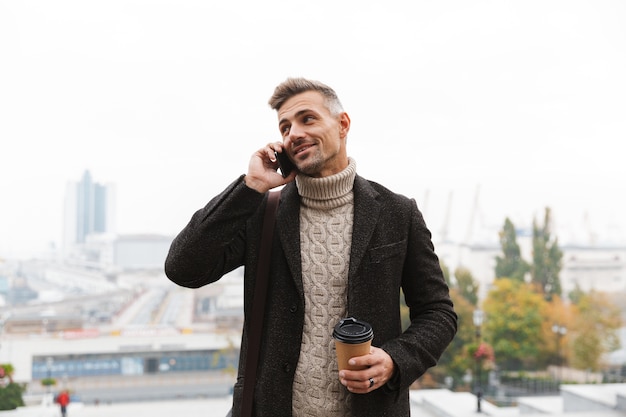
(302, 149)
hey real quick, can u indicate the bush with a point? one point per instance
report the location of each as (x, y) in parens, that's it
(47, 382)
(11, 396)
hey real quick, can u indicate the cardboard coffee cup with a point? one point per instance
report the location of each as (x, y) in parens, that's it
(352, 338)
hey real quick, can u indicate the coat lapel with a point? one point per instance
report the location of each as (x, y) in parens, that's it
(366, 212)
(288, 226)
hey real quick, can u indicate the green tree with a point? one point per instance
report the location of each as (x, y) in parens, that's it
(547, 258)
(466, 285)
(514, 316)
(510, 264)
(576, 294)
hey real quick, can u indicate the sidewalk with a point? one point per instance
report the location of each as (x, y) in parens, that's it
(213, 407)
(205, 407)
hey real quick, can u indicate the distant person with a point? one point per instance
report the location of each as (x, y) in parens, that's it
(63, 399)
(343, 246)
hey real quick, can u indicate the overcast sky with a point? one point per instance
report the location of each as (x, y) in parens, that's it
(514, 105)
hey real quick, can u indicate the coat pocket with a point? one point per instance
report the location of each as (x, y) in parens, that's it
(381, 253)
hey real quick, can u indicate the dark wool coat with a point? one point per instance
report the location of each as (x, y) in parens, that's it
(391, 250)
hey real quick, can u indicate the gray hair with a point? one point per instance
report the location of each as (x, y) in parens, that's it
(294, 86)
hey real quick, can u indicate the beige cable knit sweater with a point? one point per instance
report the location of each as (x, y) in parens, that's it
(326, 219)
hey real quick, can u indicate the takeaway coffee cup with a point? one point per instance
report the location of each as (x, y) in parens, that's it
(352, 338)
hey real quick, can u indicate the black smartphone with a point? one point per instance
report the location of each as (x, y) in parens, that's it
(285, 164)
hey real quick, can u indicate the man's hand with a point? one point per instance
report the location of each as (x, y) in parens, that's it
(262, 175)
(380, 370)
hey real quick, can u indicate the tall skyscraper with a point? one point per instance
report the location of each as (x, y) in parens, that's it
(89, 209)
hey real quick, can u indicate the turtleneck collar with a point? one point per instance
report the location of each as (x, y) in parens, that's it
(327, 192)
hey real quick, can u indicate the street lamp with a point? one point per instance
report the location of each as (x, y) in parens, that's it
(559, 331)
(478, 318)
(49, 362)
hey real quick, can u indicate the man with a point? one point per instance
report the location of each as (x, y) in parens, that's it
(343, 246)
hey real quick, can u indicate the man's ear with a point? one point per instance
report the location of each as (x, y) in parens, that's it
(344, 124)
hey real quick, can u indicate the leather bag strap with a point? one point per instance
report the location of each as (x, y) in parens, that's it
(255, 328)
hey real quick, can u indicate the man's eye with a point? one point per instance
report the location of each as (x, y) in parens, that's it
(307, 119)
(284, 130)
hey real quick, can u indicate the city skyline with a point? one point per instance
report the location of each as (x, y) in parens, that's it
(507, 107)
(477, 230)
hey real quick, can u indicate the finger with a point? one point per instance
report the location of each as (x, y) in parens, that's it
(371, 383)
(381, 362)
(362, 386)
(365, 360)
(269, 151)
(279, 146)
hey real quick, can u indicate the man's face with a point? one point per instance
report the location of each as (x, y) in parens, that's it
(314, 139)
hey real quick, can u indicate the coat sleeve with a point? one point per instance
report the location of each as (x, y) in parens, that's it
(213, 242)
(433, 320)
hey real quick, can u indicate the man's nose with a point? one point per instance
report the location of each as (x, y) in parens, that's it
(295, 132)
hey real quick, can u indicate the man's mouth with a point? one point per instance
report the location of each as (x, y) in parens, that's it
(301, 149)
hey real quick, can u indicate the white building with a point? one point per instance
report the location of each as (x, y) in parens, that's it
(601, 268)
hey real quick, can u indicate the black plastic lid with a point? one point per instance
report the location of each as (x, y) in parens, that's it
(353, 331)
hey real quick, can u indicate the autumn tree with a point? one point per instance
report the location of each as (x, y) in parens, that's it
(457, 360)
(595, 330)
(558, 323)
(510, 264)
(547, 258)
